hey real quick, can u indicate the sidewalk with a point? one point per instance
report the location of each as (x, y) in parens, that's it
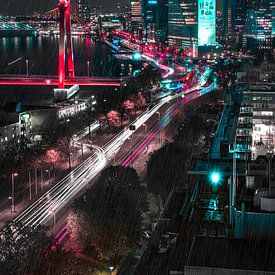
(22, 200)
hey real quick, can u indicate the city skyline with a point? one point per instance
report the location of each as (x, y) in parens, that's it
(26, 7)
(138, 141)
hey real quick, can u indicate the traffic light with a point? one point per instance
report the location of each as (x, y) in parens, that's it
(215, 178)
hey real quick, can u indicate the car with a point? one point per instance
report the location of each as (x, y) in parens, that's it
(146, 234)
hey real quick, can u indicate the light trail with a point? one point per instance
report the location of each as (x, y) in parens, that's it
(168, 116)
(60, 195)
(64, 191)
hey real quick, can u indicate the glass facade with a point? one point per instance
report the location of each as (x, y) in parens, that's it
(206, 22)
(183, 24)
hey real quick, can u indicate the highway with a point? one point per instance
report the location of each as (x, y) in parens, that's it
(45, 207)
(58, 197)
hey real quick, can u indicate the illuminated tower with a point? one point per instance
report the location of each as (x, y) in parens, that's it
(65, 30)
(183, 24)
(206, 22)
(136, 16)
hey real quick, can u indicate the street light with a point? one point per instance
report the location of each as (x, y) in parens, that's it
(88, 68)
(27, 67)
(13, 175)
(131, 138)
(145, 126)
(111, 269)
(30, 185)
(49, 177)
(158, 113)
(54, 220)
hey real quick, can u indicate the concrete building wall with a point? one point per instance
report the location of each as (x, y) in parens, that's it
(252, 223)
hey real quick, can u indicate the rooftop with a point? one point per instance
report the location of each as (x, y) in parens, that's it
(232, 254)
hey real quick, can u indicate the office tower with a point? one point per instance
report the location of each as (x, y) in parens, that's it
(161, 30)
(149, 10)
(183, 24)
(155, 19)
(259, 31)
(206, 22)
(82, 10)
(227, 19)
(136, 17)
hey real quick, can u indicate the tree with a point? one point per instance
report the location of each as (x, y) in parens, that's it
(166, 169)
(106, 220)
(114, 118)
(65, 149)
(22, 247)
(52, 156)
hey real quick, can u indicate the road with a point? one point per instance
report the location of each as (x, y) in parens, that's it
(48, 205)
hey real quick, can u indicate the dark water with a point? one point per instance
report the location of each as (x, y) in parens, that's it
(42, 55)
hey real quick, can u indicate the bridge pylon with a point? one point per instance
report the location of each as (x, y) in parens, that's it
(65, 39)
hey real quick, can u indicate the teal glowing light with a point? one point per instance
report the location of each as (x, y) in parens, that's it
(215, 178)
(137, 56)
(136, 72)
(206, 22)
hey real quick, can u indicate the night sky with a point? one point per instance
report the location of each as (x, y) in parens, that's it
(18, 7)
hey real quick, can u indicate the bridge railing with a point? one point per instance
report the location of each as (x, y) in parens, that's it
(94, 78)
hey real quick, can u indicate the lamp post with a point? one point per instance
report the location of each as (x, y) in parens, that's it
(13, 175)
(158, 113)
(131, 138)
(88, 68)
(36, 181)
(82, 151)
(145, 126)
(54, 218)
(111, 269)
(30, 185)
(49, 177)
(27, 67)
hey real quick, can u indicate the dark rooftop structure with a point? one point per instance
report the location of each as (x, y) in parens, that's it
(230, 256)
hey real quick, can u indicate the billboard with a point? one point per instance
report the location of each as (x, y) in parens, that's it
(206, 22)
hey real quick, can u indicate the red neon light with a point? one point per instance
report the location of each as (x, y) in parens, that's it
(65, 29)
(55, 83)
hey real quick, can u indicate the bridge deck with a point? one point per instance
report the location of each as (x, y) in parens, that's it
(17, 80)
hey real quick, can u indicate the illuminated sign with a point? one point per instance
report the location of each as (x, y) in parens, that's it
(273, 21)
(206, 22)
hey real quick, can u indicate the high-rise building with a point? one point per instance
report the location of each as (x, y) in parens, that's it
(207, 22)
(260, 26)
(136, 16)
(82, 10)
(183, 24)
(259, 31)
(161, 31)
(155, 19)
(227, 20)
(149, 8)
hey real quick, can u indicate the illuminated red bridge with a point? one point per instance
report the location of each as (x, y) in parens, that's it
(65, 50)
(39, 80)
